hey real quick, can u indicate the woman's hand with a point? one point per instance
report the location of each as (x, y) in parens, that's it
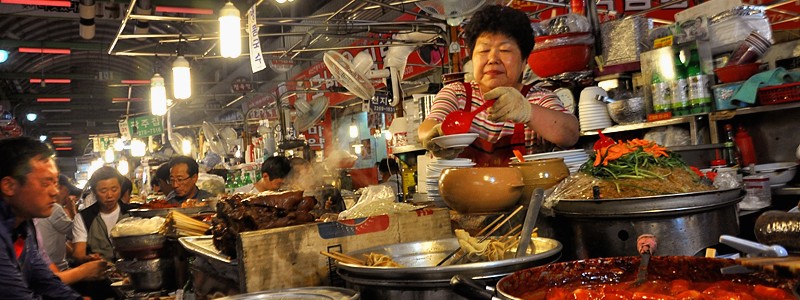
(511, 105)
(439, 152)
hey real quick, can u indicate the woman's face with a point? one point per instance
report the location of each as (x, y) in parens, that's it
(496, 61)
(108, 192)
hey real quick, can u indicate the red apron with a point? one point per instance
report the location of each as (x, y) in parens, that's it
(497, 154)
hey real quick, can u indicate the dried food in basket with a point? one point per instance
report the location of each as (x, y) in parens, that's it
(241, 213)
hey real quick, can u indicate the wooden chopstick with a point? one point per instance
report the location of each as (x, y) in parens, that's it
(495, 228)
(343, 258)
(511, 232)
(500, 217)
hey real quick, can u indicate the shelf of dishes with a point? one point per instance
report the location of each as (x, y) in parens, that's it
(691, 119)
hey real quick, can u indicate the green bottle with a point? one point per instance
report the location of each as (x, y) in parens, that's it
(699, 92)
(662, 93)
(680, 89)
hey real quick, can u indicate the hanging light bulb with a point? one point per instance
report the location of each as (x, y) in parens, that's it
(158, 96)
(42, 138)
(280, 1)
(138, 148)
(186, 147)
(119, 145)
(109, 155)
(353, 129)
(387, 134)
(181, 78)
(122, 166)
(230, 33)
(357, 149)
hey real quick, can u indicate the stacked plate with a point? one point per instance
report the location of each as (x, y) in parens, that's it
(435, 169)
(593, 113)
(572, 158)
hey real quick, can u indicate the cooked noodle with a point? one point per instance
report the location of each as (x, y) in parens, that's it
(491, 249)
(380, 260)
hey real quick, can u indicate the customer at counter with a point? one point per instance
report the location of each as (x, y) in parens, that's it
(162, 179)
(500, 39)
(28, 187)
(274, 170)
(183, 178)
(92, 226)
(55, 228)
(390, 175)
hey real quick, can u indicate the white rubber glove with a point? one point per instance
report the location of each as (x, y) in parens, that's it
(439, 152)
(511, 105)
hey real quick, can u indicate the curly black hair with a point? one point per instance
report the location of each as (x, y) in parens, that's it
(503, 20)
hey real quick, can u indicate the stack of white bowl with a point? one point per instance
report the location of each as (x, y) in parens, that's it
(435, 169)
(572, 158)
(593, 113)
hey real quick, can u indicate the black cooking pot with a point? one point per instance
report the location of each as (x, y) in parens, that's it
(614, 270)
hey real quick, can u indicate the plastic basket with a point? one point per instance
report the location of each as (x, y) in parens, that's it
(779, 94)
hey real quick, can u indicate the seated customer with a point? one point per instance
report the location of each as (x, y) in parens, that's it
(162, 179)
(273, 171)
(183, 178)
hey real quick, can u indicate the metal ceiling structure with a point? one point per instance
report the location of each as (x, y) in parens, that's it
(300, 30)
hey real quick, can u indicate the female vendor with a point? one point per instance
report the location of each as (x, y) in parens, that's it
(500, 39)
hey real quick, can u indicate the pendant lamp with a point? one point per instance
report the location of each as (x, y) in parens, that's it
(230, 32)
(181, 78)
(158, 96)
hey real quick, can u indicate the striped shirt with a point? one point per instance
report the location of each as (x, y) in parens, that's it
(453, 97)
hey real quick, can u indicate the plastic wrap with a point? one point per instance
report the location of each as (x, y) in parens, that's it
(623, 40)
(375, 200)
(564, 24)
(728, 29)
(134, 226)
(211, 183)
(669, 136)
(575, 182)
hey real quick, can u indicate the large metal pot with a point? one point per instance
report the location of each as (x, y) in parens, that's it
(139, 246)
(306, 293)
(684, 224)
(422, 279)
(521, 284)
(147, 275)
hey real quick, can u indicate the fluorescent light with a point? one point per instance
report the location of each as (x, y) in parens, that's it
(58, 124)
(50, 80)
(39, 2)
(135, 81)
(124, 99)
(184, 10)
(63, 148)
(44, 50)
(57, 110)
(50, 100)
(230, 31)
(181, 79)
(61, 138)
(158, 96)
(61, 142)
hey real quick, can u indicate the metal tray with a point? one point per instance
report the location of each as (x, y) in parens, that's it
(204, 246)
(304, 293)
(162, 212)
(653, 205)
(420, 259)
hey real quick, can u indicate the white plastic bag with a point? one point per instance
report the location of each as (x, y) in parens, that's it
(375, 200)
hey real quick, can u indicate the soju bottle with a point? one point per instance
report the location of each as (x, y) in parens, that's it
(680, 89)
(699, 92)
(662, 93)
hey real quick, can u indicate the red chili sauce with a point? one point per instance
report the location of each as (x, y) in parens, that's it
(679, 289)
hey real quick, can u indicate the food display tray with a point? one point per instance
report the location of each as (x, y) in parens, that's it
(204, 246)
(162, 212)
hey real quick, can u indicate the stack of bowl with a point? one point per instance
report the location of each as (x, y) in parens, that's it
(435, 169)
(593, 113)
(573, 159)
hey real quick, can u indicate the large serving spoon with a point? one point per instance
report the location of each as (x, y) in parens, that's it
(459, 121)
(646, 246)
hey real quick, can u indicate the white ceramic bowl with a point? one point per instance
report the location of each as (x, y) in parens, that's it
(455, 140)
(778, 173)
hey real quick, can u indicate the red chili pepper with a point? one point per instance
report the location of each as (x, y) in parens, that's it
(603, 142)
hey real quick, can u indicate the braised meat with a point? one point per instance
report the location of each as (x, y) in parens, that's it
(241, 213)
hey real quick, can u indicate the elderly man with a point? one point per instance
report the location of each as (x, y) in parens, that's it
(183, 178)
(29, 186)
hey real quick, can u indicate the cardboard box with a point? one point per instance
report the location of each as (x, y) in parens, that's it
(289, 257)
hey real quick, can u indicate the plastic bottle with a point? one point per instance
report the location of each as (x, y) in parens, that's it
(680, 89)
(730, 153)
(699, 92)
(745, 143)
(662, 93)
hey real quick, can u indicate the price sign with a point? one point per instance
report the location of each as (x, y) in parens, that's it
(145, 126)
(380, 103)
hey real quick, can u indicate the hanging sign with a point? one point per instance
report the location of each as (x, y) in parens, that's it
(281, 65)
(380, 103)
(256, 60)
(124, 130)
(145, 126)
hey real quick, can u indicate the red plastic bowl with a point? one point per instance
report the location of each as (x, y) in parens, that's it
(560, 59)
(737, 73)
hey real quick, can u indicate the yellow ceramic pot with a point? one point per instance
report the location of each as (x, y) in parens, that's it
(480, 190)
(541, 173)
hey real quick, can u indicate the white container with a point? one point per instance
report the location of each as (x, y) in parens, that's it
(759, 194)
(778, 173)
